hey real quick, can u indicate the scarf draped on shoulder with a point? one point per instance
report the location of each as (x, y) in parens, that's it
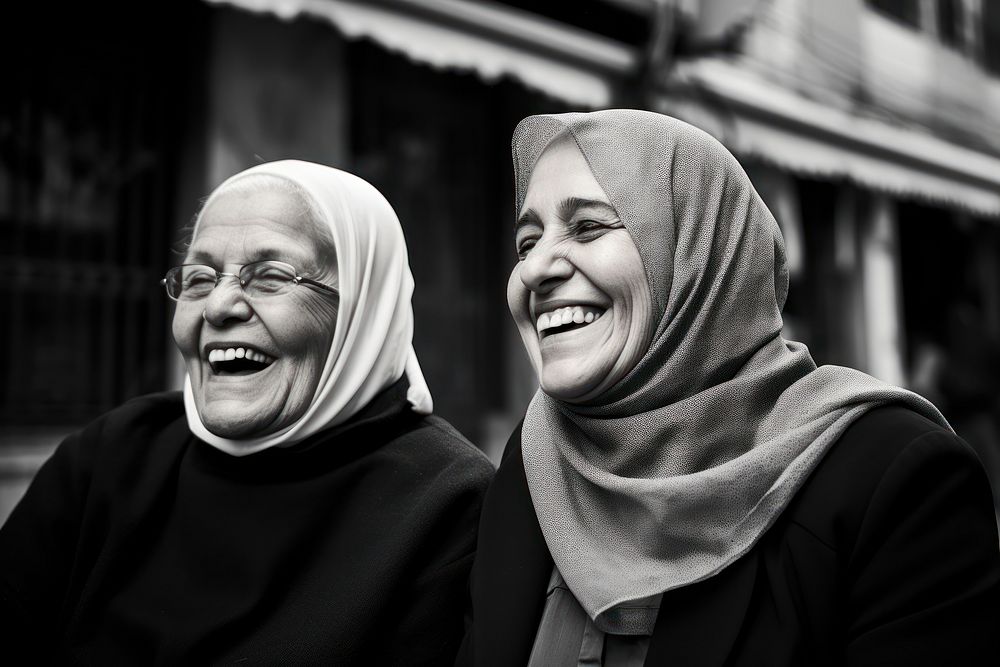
(677, 470)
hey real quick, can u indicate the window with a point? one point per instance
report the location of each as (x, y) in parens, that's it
(904, 11)
(991, 36)
(951, 23)
(89, 131)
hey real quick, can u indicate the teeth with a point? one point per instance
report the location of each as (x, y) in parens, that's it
(567, 315)
(230, 353)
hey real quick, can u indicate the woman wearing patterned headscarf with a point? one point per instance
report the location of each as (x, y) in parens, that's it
(687, 487)
(300, 504)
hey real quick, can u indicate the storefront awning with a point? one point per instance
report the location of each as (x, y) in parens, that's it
(754, 117)
(489, 39)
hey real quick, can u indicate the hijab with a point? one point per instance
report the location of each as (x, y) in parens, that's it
(678, 469)
(372, 343)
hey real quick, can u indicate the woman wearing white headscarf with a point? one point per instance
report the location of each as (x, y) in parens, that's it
(687, 487)
(299, 504)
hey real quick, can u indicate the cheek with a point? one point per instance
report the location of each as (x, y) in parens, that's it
(184, 328)
(307, 329)
(514, 291)
(637, 322)
(619, 272)
(518, 302)
(517, 295)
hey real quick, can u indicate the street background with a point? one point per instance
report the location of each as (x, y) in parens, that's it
(870, 128)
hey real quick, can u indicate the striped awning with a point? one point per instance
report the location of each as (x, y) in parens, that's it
(754, 117)
(489, 39)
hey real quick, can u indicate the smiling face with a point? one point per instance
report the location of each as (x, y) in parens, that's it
(579, 294)
(285, 337)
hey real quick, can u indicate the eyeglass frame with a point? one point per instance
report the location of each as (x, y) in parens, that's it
(219, 275)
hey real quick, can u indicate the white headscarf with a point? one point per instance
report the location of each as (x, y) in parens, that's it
(372, 344)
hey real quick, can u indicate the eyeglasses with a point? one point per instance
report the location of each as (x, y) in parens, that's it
(190, 282)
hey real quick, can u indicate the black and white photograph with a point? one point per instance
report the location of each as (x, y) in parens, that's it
(500, 333)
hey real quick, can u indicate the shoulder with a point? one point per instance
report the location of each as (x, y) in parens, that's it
(431, 481)
(145, 414)
(452, 443)
(145, 419)
(432, 446)
(879, 440)
(883, 459)
(132, 434)
(904, 507)
(871, 444)
(107, 457)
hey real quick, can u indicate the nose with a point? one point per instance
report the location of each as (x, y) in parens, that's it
(544, 268)
(227, 303)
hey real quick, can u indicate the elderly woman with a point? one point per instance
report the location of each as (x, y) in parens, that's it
(687, 487)
(298, 505)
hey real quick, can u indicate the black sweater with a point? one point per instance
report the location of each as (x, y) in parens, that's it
(887, 556)
(139, 544)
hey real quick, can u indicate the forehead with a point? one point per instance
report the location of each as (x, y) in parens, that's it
(239, 226)
(561, 171)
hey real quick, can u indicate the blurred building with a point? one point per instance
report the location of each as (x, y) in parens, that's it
(870, 128)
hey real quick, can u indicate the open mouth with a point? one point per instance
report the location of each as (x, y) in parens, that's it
(238, 361)
(566, 319)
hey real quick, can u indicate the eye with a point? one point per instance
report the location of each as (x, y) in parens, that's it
(525, 242)
(589, 230)
(272, 272)
(269, 277)
(198, 277)
(197, 280)
(525, 245)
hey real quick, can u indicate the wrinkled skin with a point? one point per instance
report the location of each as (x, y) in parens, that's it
(575, 252)
(295, 328)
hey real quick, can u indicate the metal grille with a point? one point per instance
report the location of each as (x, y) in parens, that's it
(84, 228)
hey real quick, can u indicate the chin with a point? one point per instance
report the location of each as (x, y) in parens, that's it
(232, 425)
(565, 386)
(234, 430)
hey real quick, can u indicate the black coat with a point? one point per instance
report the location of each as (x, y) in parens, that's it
(139, 544)
(887, 556)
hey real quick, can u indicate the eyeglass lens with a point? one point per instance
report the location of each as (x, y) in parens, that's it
(196, 281)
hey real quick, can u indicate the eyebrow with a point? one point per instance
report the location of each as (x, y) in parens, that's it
(529, 217)
(565, 210)
(567, 207)
(202, 257)
(198, 257)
